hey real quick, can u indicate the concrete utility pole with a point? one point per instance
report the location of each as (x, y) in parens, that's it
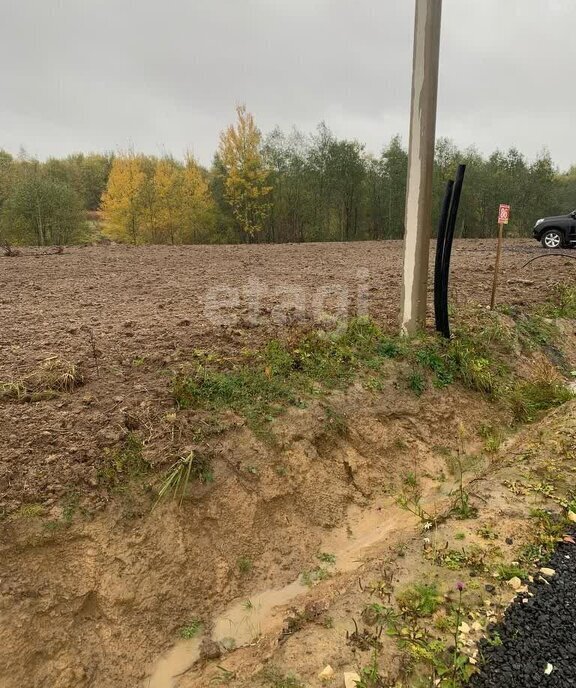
(420, 164)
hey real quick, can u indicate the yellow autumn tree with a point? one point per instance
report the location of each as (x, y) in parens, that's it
(198, 208)
(149, 201)
(122, 200)
(158, 201)
(168, 183)
(245, 175)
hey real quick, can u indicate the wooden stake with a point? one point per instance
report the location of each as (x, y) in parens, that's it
(496, 266)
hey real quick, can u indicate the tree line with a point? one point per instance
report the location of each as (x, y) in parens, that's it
(283, 187)
(48, 203)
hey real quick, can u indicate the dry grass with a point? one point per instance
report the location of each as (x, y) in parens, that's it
(544, 390)
(54, 375)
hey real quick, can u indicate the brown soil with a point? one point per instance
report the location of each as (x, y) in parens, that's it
(126, 316)
(93, 596)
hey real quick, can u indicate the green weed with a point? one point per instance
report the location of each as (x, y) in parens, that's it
(312, 576)
(373, 384)
(411, 502)
(424, 652)
(416, 382)
(375, 614)
(245, 565)
(278, 375)
(191, 630)
(70, 505)
(275, 678)
(262, 384)
(562, 303)
(336, 421)
(125, 463)
(411, 481)
(452, 559)
(249, 392)
(224, 677)
(326, 558)
(507, 571)
(487, 533)
(494, 640)
(529, 398)
(370, 676)
(476, 371)
(433, 357)
(492, 437)
(549, 528)
(534, 331)
(533, 553)
(462, 509)
(421, 599)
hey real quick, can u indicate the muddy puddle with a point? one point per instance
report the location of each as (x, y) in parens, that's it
(246, 619)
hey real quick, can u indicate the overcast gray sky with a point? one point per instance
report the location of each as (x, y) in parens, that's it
(165, 75)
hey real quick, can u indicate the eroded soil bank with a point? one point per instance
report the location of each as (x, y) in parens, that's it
(97, 600)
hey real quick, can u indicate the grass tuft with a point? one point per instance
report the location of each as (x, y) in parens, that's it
(562, 303)
(245, 565)
(544, 391)
(31, 510)
(53, 376)
(508, 571)
(178, 477)
(275, 678)
(416, 382)
(191, 630)
(125, 463)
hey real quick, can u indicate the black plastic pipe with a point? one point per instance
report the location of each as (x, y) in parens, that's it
(440, 251)
(446, 249)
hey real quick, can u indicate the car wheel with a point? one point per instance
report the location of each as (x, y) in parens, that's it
(552, 239)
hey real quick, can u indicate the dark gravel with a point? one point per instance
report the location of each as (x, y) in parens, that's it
(537, 631)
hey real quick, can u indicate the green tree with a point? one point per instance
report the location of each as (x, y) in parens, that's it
(395, 164)
(86, 174)
(42, 211)
(375, 198)
(565, 191)
(346, 175)
(285, 158)
(6, 175)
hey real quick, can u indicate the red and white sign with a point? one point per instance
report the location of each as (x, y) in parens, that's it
(503, 214)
